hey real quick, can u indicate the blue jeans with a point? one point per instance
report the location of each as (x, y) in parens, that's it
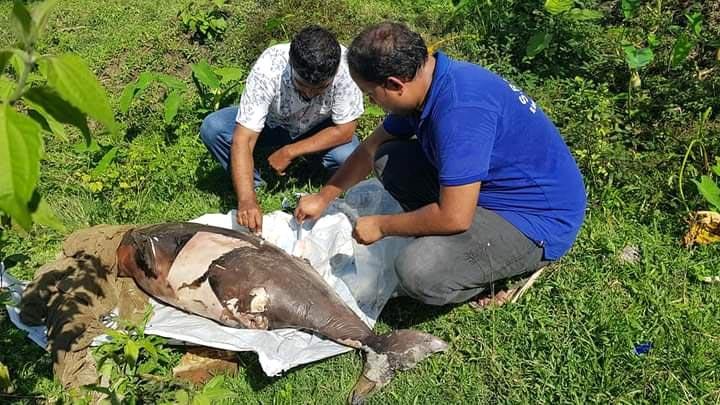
(217, 129)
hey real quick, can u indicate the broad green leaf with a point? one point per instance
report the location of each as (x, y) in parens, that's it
(215, 394)
(48, 123)
(537, 44)
(6, 87)
(116, 335)
(144, 80)
(5, 56)
(17, 63)
(229, 74)
(40, 13)
(21, 22)
(84, 147)
(105, 162)
(583, 14)
(171, 81)
(44, 215)
(73, 80)
(44, 99)
(203, 72)
(695, 21)
(4, 378)
(126, 97)
(652, 40)
(629, 7)
(133, 89)
(220, 24)
(558, 6)
(681, 50)
(709, 190)
(149, 347)
(201, 399)
(716, 168)
(172, 103)
(20, 152)
(638, 58)
(215, 382)
(132, 351)
(182, 397)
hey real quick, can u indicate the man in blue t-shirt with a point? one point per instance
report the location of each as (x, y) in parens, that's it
(488, 186)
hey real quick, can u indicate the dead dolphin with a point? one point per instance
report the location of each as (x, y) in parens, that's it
(239, 280)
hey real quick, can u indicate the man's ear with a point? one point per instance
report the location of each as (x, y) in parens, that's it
(394, 84)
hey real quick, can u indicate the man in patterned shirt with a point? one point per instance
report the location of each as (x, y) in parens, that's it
(298, 97)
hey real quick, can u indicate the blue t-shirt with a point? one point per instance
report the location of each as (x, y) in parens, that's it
(476, 126)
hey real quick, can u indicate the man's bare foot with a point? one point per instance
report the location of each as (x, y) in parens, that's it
(498, 296)
(498, 299)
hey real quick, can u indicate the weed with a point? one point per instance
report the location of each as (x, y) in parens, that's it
(204, 19)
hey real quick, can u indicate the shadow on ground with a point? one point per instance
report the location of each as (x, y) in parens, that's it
(303, 173)
(404, 312)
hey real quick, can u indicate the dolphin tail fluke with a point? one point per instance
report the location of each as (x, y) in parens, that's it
(399, 350)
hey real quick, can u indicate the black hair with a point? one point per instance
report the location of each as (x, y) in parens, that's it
(387, 49)
(315, 54)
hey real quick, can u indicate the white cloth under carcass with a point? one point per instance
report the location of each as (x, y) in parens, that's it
(363, 276)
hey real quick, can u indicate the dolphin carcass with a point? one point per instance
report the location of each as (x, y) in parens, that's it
(241, 281)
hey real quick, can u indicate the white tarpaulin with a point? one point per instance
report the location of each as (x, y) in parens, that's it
(363, 276)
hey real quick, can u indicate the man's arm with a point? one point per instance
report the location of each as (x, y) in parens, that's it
(242, 165)
(354, 170)
(324, 139)
(454, 213)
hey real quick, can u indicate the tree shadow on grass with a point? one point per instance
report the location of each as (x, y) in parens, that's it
(60, 298)
(27, 362)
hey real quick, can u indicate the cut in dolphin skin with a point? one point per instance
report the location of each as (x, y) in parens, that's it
(239, 280)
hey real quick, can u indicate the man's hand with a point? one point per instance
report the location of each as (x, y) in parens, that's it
(249, 214)
(368, 230)
(310, 207)
(280, 160)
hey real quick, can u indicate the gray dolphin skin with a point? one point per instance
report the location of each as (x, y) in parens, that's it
(239, 280)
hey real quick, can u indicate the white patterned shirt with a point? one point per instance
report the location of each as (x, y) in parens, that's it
(270, 98)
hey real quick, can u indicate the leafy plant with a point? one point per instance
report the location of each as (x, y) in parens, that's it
(131, 361)
(687, 40)
(204, 19)
(709, 188)
(174, 89)
(215, 390)
(64, 92)
(706, 186)
(557, 10)
(217, 87)
(629, 7)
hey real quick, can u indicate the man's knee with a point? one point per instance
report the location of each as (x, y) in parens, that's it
(338, 155)
(210, 129)
(421, 276)
(382, 155)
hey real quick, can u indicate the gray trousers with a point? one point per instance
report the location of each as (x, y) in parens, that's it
(439, 270)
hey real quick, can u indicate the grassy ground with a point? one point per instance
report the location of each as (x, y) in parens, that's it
(569, 340)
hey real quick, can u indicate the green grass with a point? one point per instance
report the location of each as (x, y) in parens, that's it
(569, 340)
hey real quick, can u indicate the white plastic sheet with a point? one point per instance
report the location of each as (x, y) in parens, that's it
(363, 276)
